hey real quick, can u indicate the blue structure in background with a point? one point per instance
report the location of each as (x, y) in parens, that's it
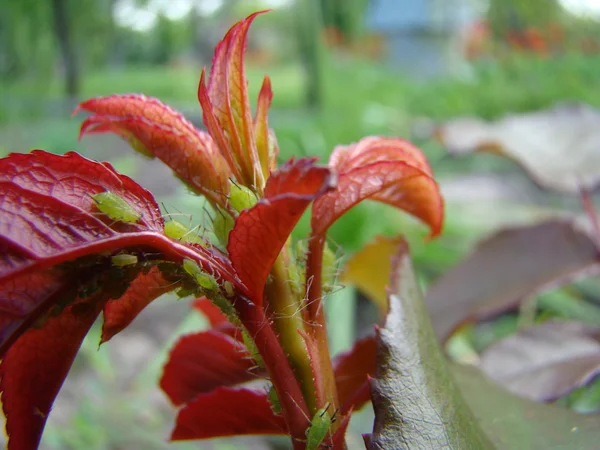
(420, 34)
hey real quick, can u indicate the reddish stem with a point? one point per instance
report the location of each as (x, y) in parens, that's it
(316, 319)
(293, 406)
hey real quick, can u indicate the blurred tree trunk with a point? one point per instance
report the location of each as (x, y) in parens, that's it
(309, 29)
(345, 16)
(62, 30)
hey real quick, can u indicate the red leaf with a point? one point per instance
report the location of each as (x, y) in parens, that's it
(48, 218)
(119, 313)
(388, 170)
(201, 362)
(227, 412)
(34, 368)
(228, 107)
(352, 370)
(261, 231)
(164, 133)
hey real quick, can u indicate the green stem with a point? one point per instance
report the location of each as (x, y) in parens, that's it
(287, 315)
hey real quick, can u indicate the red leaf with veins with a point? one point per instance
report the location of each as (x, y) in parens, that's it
(352, 370)
(48, 218)
(201, 362)
(228, 107)
(34, 368)
(374, 149)
(388, 170)
(227, 412)
(164, 133)
(119, 313)
(261, 231)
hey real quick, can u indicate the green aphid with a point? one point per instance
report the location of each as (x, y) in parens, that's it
(228, 287)
(252, 349)
(115, 207)
(240, 197)
(329, 269)
(179, 231)
(222, 226)
(123, 260)
(274, 400)
(203, 279)
(318, 429)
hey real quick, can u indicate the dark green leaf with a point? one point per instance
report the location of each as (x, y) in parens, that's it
(417, 404)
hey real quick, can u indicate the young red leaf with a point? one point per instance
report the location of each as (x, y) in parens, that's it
(119, 313)
(352, 371)
(261, 126)
(227, 412)
(388, 170)
(225, 102)
(48, 218)
(261, 231)
(34, 368)
(201, 362)
(154, 128)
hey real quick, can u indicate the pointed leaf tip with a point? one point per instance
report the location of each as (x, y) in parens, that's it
(226, 105)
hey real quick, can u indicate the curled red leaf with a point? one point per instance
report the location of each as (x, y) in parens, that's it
(227, 412)
(388, 170)
(261, 231)
(164, 133)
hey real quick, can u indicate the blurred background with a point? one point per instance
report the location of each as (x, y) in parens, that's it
(340, 70)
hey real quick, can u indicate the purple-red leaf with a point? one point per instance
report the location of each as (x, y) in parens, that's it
(261, 231)
(227, 412)
(388, 170)
(508, 267)
(545, 361)
(48, 217)
(154, 128)
(56, 272)
(34, 368)
(201, 362)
